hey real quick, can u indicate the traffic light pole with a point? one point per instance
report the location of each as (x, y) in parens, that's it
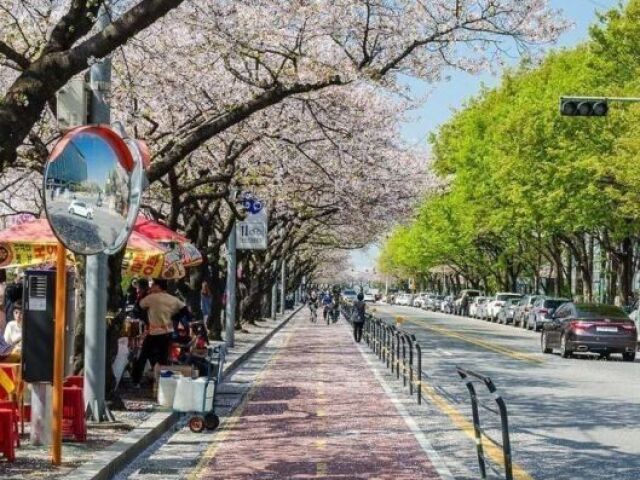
(580, 106)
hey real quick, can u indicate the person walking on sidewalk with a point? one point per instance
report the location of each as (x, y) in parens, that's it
(160, 307)
(357, 317)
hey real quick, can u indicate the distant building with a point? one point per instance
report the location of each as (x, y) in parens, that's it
(69, 168)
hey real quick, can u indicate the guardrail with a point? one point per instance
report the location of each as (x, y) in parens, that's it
(399, 351)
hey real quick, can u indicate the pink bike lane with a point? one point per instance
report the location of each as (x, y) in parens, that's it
(318, 411)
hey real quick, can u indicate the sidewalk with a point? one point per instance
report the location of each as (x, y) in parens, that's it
(110, 445)
(318, 411)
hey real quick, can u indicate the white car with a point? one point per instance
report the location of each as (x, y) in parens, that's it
(496, 303)
(349, 295)
(81, 209)
(369, 297)
(404, 299)
(418, 300)
(476, 306)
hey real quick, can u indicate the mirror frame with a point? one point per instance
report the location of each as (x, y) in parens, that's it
(130, 158)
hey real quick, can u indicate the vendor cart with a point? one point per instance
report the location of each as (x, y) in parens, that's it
(203, 414)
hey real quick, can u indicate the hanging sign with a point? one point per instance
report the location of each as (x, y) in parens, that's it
(251, 233)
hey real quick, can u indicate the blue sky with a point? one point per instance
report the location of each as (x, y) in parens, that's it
(445, 97)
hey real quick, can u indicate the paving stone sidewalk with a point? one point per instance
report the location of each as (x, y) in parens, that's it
(34, 462)
(317, 410)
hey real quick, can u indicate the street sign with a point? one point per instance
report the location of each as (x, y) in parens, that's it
(251, 233)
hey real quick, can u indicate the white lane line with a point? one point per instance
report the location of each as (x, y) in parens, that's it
(435, 459)
(445, 352)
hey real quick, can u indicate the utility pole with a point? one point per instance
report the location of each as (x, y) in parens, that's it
(283, 285)
(274, 292)
(230, 307)
(97, 273)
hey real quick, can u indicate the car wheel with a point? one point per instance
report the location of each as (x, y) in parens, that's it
(71, 211)
(629, 356)
(544, 344)
(564, 351)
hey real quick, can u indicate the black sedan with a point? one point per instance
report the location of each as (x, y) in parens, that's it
(587, 328)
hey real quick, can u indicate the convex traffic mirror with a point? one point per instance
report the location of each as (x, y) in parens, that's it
(92, 187)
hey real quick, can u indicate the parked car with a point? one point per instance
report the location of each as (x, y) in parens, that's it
(524, 307)
(405, 299)
(580, 327)
(463, 301)
(369, 297)
(81, 209)
(418, 300)
(446, 306)
(349, 295)
(497, 302)
(508, 311)
(476, 305)
(433, 303)
(542, 312)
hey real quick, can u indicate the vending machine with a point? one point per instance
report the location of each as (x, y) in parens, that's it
(39, 302)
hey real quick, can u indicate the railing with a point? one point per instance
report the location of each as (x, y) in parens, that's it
(469, 377)
(402, 354)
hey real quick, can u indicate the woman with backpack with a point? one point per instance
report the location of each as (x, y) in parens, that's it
(357, 317)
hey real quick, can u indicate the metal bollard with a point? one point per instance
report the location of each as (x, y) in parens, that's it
(393, 353)
(410, 339)
(390, 346)
(404, 361)
(397, 358)
(419, 366)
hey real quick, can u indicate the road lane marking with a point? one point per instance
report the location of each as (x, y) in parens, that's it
(321, 469)
(525, 357)
(459, 420)
(320, 443)
(320, 412)
(435, 459)
(229, 424)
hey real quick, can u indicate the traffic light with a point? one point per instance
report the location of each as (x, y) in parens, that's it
(583, 107)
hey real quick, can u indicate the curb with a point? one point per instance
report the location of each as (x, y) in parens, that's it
(114, 458)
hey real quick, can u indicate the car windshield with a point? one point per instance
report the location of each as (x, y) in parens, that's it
(349, 292)
(80, 204)
(554, 303)
(599, 311)
(507, 296)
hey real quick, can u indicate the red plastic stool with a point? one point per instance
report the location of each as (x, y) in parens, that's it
(8, 432)
(74, 381)
(73, 420)
(13, 406)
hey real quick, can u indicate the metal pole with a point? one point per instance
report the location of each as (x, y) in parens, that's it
(58, 356)
(95, 340)
(274, 293)
(283, 285)
(97, 274)
(230, 307)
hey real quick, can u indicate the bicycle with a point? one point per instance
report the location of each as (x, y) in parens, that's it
(314, 312)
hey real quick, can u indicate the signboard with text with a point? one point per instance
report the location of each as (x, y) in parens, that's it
(251, 233)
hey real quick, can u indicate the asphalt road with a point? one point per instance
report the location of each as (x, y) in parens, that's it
(569, 418)
(97, 233)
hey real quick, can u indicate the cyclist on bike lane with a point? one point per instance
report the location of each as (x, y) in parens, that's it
(313, 304)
